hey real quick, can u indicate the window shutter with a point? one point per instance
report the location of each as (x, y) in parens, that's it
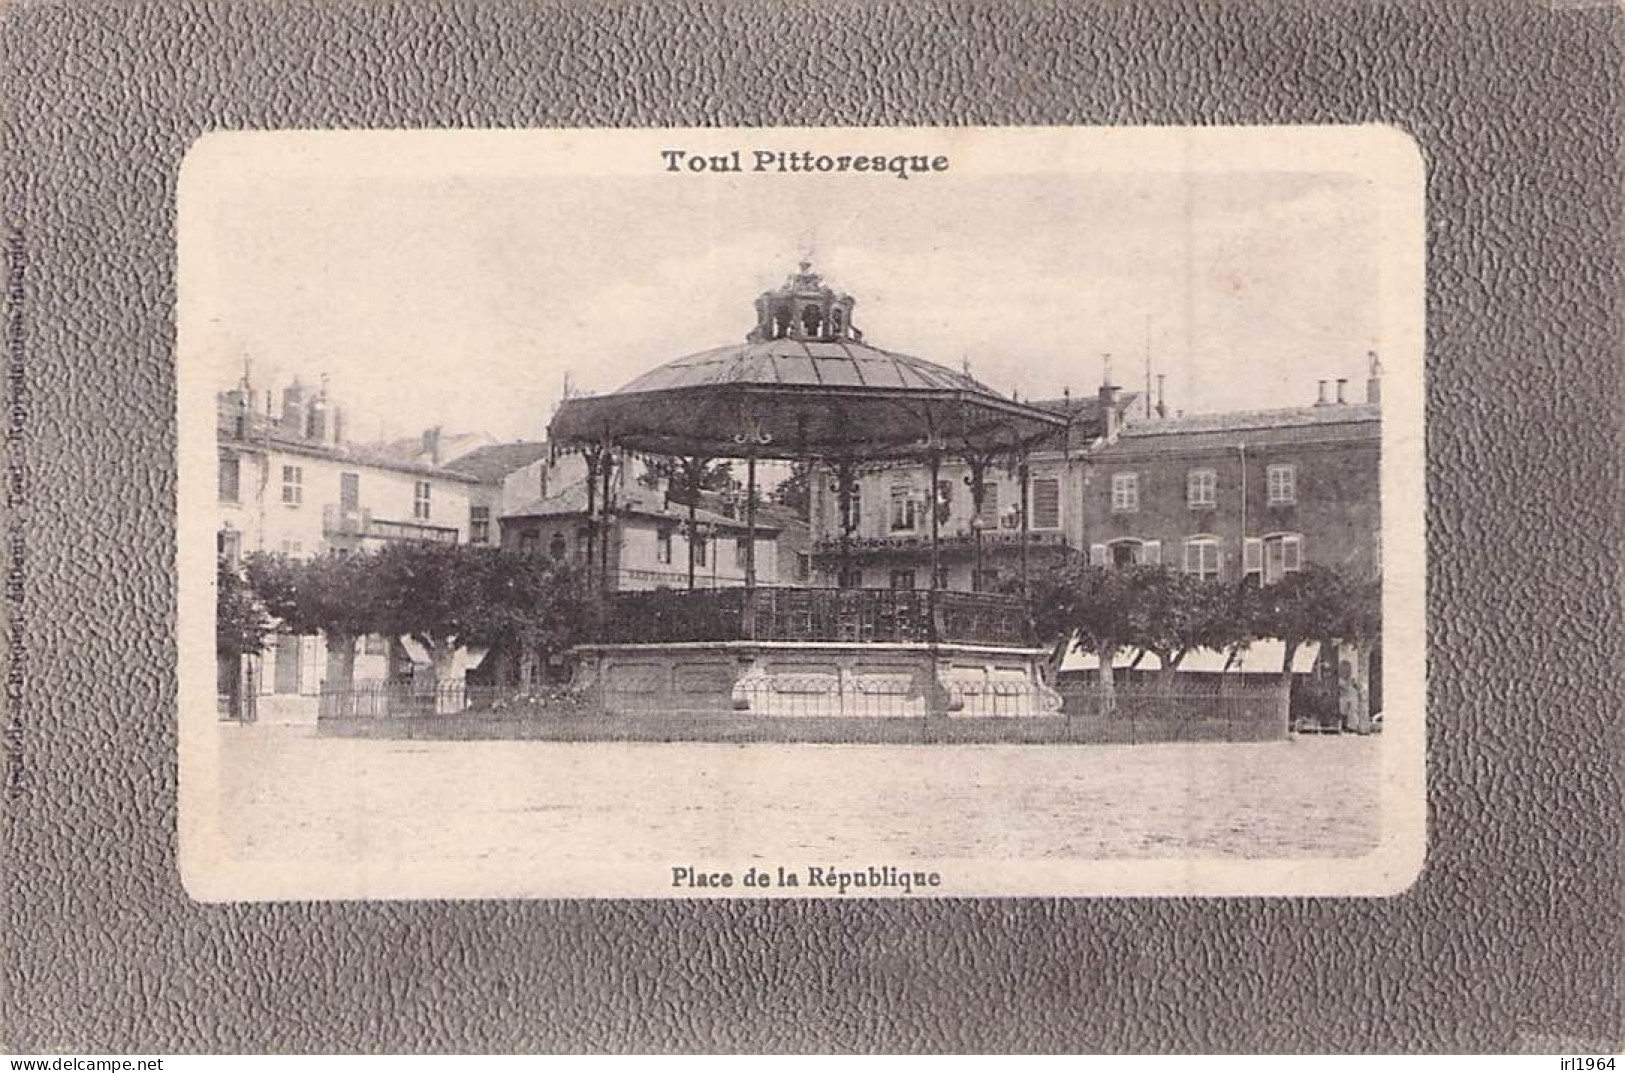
(1252, 556)
(1151, 553)
(1097, 555)
(1292, 553)
(1193, 557)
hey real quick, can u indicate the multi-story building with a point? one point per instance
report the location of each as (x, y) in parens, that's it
(510, 475)
(291, 483)
(648, 537)
(885, 535)
(1226, 495)
(1232, 496)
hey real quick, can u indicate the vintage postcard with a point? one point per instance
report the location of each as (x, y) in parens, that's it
(837, 513)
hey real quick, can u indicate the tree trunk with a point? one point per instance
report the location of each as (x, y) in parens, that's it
(441, 651)
(1108, 682)
(1168, 671)
(1291, 646)
(340, 662)
(1051, 669)
(527, 667)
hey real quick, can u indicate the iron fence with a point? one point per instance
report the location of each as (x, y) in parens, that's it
(919, 616)
(398, 700)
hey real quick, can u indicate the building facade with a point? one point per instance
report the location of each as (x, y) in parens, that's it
(886, 529)
(648, 539)
(291, 483)
(1226, 496)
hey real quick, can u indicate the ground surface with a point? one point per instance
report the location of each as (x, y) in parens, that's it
(288, 795)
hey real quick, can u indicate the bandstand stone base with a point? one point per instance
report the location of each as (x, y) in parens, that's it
(816, 680)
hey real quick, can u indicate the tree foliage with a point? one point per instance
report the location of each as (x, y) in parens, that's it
(241, 622)
(1315, 604)
(795, 491)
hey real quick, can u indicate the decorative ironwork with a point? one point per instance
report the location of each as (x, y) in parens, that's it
(832, 615)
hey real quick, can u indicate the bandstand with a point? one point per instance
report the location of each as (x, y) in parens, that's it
(805, 386)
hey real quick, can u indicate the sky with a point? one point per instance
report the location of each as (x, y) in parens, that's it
(462, 297)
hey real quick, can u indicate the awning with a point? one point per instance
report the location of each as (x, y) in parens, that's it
(1261, 657)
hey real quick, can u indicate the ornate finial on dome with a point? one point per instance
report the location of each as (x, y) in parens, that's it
(804, 307)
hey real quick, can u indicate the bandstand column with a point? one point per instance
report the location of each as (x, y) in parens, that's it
(936, 518)
(608, 467)
(1024, 473)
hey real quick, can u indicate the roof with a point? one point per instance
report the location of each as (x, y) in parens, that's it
(572, 501)
(270, 436)
(1261, 657)
(491, 464)
(453, 445)
(1346, 423)
(800, 398)
(1243, 420)
(832, 363)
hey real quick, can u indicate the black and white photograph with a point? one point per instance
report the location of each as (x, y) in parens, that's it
(836, 513)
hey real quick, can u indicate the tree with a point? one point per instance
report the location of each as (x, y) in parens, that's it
(332, 595)
(535, 607)
(240, 620)
(1172, 614)
(795, 491)
(1314, 604)
(1088, 607)
(682, 479)
(437, 594)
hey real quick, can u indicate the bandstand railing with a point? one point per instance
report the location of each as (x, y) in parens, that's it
(920, 616)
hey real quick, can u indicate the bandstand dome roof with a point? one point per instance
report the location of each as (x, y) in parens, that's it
(803, 384)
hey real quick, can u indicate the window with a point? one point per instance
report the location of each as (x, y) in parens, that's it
(558, 547)
(581, 543)
(1127, 552)
(852, 579)
(530, 542)
(1046, 503)
(349, 491)
(1273, 557)
(902, 507)
(421, 506)
(228, 544)
(663, 546)
(1201, 489)
(942, 577)
(231, 469)
(902, 580)
(741, 552)
(1283, 485)
(375, 644)
(293, 548)
(803, 565)
(987, 580)
(851, 507)
(293, 485)
(699, 543)
(479, 525)
(989, 516)
(1202, 558)
(1125, 493)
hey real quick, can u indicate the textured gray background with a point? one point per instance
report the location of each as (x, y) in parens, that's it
(1512, 939)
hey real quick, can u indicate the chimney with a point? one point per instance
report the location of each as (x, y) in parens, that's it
(1342, 389)
(1373, 382)
(338, 425)
(431, 445)
(293, 408)
(1321, 399)
(1108, 412)
(316, 419)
